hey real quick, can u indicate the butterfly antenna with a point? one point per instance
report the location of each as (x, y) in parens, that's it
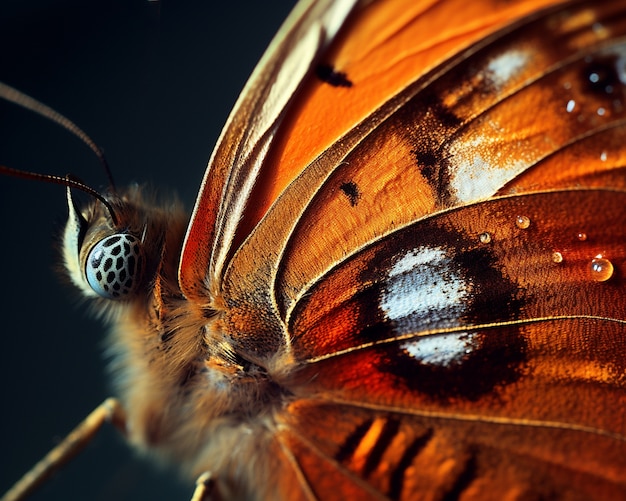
(15, 96)
(68, 181)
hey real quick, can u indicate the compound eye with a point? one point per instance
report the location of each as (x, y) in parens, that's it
(114, 266)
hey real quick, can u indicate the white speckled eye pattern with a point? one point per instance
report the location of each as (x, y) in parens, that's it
(113, 265)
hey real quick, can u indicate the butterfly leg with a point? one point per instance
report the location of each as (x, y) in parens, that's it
(109, 411)
(206, 489)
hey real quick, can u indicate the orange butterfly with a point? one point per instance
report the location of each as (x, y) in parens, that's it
(403, 276)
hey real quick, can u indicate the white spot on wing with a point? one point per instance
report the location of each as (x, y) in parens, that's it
(479, 164)
(505, 66)
(424, 287)
(442, 350)
(473, 178)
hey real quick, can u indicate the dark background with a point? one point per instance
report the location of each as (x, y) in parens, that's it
(152, 83)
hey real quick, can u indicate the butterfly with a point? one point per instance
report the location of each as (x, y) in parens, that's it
(142, 59)
(403, 274)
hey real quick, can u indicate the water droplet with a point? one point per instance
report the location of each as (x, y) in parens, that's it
(571, 104)
(601, 269)
(485, 237)
(522, 222)
(601, 111)
(557, 257)
(603, 156)
(581, 236)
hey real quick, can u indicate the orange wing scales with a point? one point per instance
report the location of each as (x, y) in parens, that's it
(459, 135)
(472, 334)
(436, 269)
(369, 57)
(407, 457)
(307, 132)
(405, 170)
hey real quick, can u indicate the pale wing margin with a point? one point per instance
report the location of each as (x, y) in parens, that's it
(252, 124)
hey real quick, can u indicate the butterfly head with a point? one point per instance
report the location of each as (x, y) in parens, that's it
(114, 265)
(104, 258)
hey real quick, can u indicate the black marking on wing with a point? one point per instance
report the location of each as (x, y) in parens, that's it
(497, 356)
(326, 73)
(465, 478)
(429, 138)
(442, 114)
(396, 478)
(375, 455)
(427, 161)
(351, 190)
(496, 360)
(434, 166)
(600, 75)
(352, 441)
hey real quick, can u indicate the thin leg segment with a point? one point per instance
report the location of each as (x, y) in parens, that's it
(109, 411)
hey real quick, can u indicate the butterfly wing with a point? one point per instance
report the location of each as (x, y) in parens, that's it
(440, 290)
(446, 364)
(281, 108)
(234, 166)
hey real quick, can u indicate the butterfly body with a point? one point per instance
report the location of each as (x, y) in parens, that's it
(404, 274)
